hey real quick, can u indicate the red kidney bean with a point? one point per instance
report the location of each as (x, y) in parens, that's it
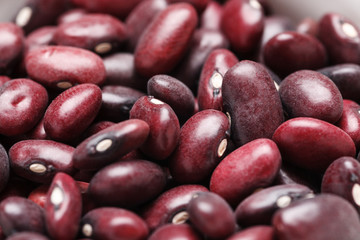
(38, 132)
(323, 217)
(311, 143)
(110, 144)
(216, 220)
(307, 93)
(164, 127)
(350, 121)
(27, 235)
(175, 231)
(202, 144)
(243, 23)
(40, 160)
(165, 40)
(60, 67)
(63, 207)
(4, 168)
(259, 207)
(309, 26)
(19, 214)
(211, 16)
(40, 37)
(252, 102)
(117, 102)
(173, 92)
(127, 183)
(3, 80)
(97, 127)
(341, 38)
(209, 93)
(235, 177)
(23, 102)
(170, 206)
(255, 233)
(70, 113)
(71, 15)
(110, 223)
(199, 5)
(38, 195)
(290, 51)
(274, 25)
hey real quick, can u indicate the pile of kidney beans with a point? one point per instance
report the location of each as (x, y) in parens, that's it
(170, 119)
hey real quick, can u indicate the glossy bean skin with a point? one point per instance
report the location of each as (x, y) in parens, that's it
(137, 182)
(291, 51)
(307, 93)
(259, 207)
(40, 37)
(255, 233)
(202, 144)
(252, 101)
(164, 208)
(350, 121)
(173, 92)
(63, 207)
(60, 67)
(110, 223)
(23, 102)
(100, 33)
(71, 15)
(164, 41)
(27, 235)
(342, 178)
(209, 94)
(4, 168)
(199, 5)
(19, 214)
(309, 26)
(164, 127)
(217, 221)
(211, 16)
(40, 160)
(233, 180)
(110, 144)
(311, 143)
(339, 220)
(175, 231)
(243, 23)
(341, 38)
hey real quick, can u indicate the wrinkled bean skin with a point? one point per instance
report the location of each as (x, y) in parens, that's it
(22, 104)
(311, 143)
(40, 37)
(96, 151)
(209, 94)
(250, 98)
(165, 41)
(259, 207)
(40, 160)
(339, 220)
(4, 168)
(19, 214)
(255, 233)
(72, 111)
(175, 231)
(200, 146)
(27, 236)
(63, 207)
(171, 202)
(110, 223)
(71, 15)
(60, 67)
(211, 16)
(164, 127)
(235, 178)
(350, 121)
(342, 178)
(307, 93)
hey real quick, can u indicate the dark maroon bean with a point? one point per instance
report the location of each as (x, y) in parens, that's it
(170, 206)
(27, 236)
(252, 102)
(309, 26)
(311, 143)
(341, 38)
(4, 168)
(165, 40)
(39, 194)
(110, 144)
(259, 207)
(164, 127)
(289, 51)
(127, 183)
(71, 15)
(255, 233)
(199, 5)
(350, 121)
(323, 217)
(97, 127)
(209, 94)
(307, 93)
(22, 104)
(110, 223)
(63, 207)
(175, 231)
(40, 160)
(202, 144)
(211, 16)
(19, 214)
(235, 177)
(60, 67)
(243, 24)
(216, 220)
(117, 102)
(3, 80)
(17, 187)
(40, 37)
